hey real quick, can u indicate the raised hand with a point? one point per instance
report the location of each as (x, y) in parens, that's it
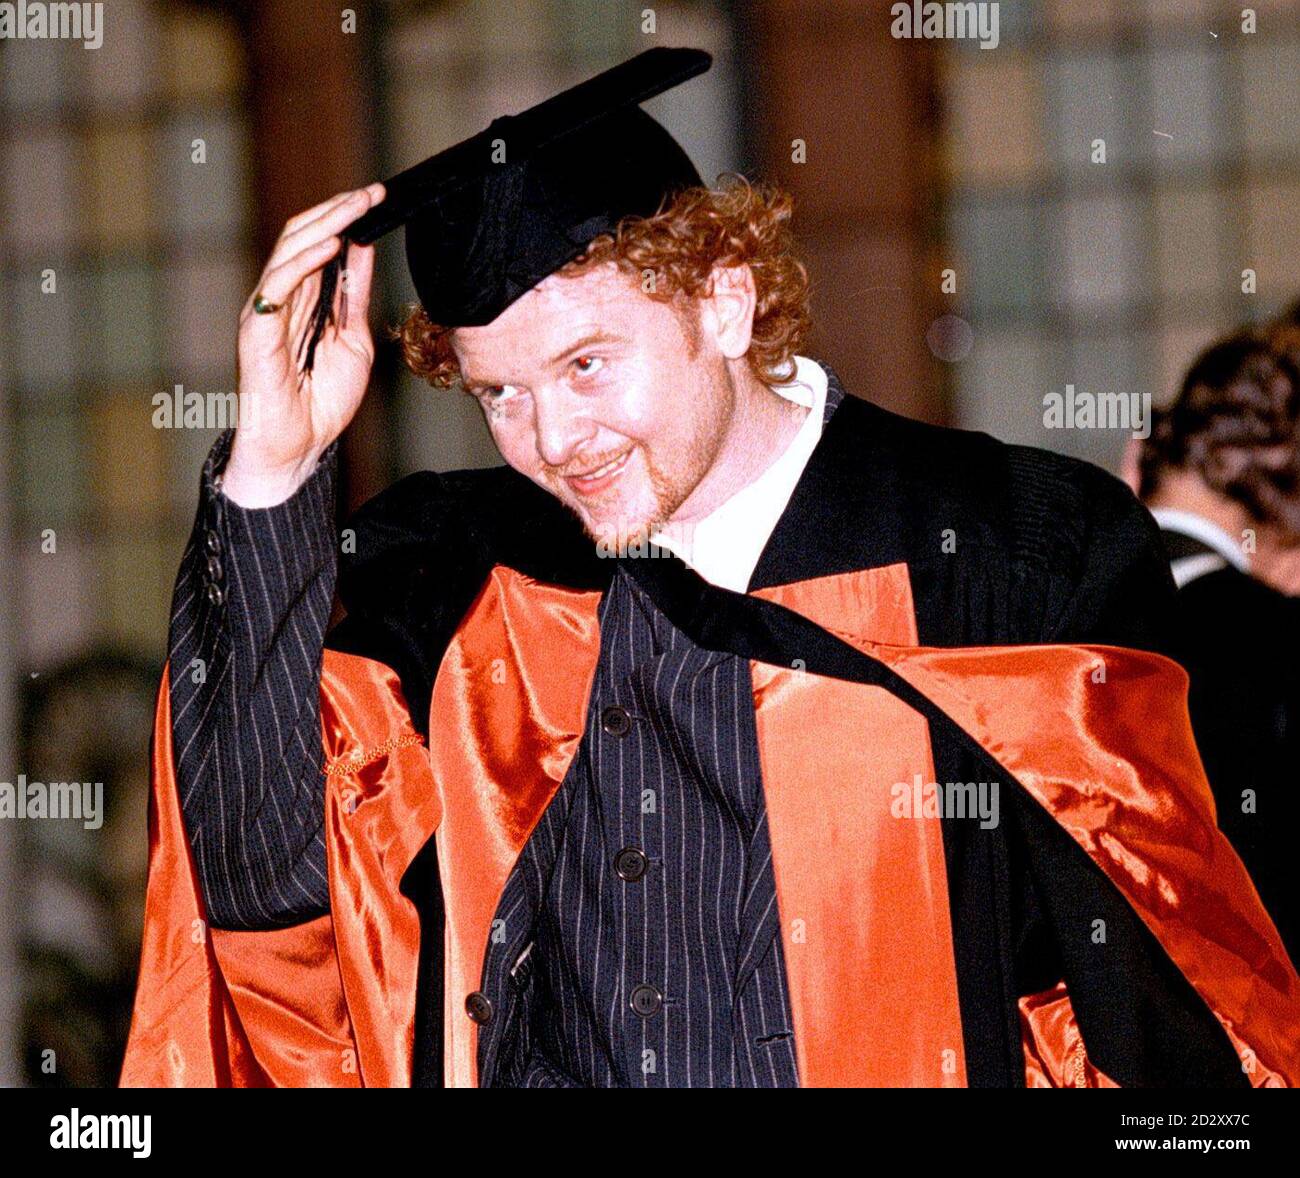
(288, 418)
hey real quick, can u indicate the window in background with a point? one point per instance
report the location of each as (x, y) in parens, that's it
(123, 265)
(149, 256)
(1111, 277)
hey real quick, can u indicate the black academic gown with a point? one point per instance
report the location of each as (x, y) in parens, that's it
(1238, 640)
(1002, 545)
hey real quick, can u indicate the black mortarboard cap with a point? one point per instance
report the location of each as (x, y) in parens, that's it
(488, 219)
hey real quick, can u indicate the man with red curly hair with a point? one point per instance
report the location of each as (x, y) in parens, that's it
(736, 732)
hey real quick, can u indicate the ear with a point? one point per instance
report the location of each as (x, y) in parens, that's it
(457, 348)
(727, 312)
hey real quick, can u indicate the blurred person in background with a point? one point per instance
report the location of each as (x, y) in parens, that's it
(1221, 474)
(1280, 566)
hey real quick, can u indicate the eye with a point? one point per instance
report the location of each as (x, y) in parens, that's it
(496, 393)
(588, 365)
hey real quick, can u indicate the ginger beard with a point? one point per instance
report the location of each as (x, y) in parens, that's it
(618, 527)
(586, 371)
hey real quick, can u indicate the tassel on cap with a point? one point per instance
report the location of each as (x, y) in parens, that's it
(323, 316)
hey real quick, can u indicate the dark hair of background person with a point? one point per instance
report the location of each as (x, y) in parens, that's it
(1236, 424)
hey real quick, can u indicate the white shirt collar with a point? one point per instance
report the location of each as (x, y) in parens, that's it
(725, 545)
(1199, 528)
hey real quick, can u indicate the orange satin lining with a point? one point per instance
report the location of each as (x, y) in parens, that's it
(863, 894)
(382, 806)
(526, 656)
(286, 987)
(507, 715)
(1055, 1056)
(1121, 773)
(185, 1032)
(1093, 736)
(863, 607)
(329, 1002)
(234, 1009)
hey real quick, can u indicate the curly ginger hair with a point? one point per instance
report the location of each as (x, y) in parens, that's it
(671, 254)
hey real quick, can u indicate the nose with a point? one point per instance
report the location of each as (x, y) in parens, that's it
(563, 425)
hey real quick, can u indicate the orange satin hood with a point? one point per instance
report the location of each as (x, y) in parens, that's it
(328, 1003)
(332, 1001)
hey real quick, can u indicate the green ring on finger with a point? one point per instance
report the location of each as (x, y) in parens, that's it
(264, 306)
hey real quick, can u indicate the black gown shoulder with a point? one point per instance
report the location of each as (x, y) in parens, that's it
(1237, 640)
(1004, 544)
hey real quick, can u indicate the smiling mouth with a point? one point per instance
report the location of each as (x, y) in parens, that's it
(598, 478)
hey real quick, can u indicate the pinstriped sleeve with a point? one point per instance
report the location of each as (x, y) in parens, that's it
(249, 613)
